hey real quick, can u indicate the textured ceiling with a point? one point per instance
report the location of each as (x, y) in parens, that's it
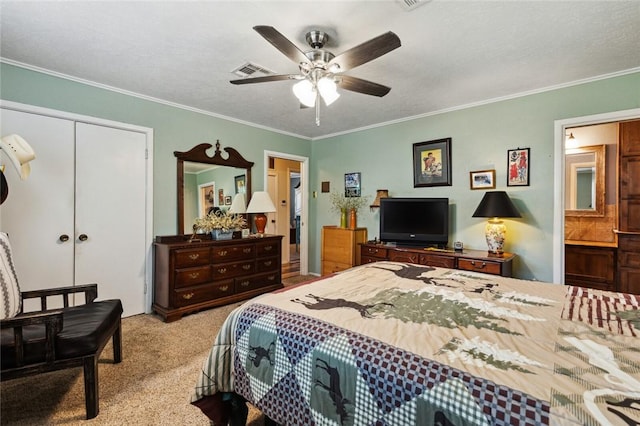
(453, 53)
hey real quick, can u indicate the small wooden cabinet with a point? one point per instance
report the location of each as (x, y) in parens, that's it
(340, 248)
(469, 260)
(590, 266)
(193, 276)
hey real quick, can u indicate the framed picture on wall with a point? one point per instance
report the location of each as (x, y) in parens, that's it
(432, 163)
(352, 184)
(220, 197)
(482, 179)
(518, 161)
(227, 200)
(240, 184)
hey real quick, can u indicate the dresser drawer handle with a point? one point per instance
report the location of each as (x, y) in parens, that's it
(473, 263)
(222, 252)
(247, 250)
(222, 270)
(271, 277)
(246, 267)
(268, 248)
(187, 296)
(194, 256)
(267, 263)
(244, 284)
(224, 288)
(194, 275)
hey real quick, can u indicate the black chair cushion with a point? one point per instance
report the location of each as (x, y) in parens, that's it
(84, 329)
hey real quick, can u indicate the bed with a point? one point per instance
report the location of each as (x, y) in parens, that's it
(391, 343)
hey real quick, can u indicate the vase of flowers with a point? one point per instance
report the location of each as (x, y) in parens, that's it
(348, 208)
(221, 224)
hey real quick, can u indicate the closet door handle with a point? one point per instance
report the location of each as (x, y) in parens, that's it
(63, 238)
(617, 231)
(83, 237)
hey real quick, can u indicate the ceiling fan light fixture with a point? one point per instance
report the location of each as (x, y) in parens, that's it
(328, 90)
(305, 92)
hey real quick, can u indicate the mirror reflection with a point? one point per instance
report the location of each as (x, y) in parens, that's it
(584, 189)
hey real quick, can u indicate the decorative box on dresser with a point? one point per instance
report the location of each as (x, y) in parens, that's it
(340, 248)
(629, 208)
(192, 276)
(468, 260)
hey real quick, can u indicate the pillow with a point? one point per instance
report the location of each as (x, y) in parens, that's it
(10, 300)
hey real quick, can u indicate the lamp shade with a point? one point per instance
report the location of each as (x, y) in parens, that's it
(238, 206)
(19, 152)
(496, 204)
(261, 203)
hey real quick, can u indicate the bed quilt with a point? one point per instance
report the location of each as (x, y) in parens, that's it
(399, 344)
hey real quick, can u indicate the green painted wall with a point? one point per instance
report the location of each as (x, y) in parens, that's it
(481, 137)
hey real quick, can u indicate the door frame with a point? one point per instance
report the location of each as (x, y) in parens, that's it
(560, 127)
(148, 132)
(304, 217)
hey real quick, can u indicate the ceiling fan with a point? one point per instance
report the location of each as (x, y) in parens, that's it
(321, 71)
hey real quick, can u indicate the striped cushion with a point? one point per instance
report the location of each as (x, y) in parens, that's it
(10, 300)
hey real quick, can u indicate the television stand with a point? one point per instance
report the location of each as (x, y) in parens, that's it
(468, 260)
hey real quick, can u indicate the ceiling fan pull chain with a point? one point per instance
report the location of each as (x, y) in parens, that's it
(318, 111)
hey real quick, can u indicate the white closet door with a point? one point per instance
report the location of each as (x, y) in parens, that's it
(40, 209)
(110, 211)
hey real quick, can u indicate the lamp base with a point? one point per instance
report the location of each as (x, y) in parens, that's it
(495, 232)
(261, 223)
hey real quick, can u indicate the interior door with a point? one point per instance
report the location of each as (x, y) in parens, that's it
(39, 211)
(110, 212)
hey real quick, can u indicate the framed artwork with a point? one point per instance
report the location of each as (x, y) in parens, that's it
(240, 184)
(227, 200)
(221, 197)
(482, 179)
(352, 184)
(432, 163)
(518, 161)
(325, 186)
(207, 198)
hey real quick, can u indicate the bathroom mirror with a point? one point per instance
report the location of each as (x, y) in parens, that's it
(226, 176)
(584, 181)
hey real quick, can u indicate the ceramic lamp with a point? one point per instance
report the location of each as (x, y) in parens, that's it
(496, 205)
(259, 205)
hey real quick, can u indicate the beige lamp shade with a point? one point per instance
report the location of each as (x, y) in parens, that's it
(380, 193)
(238, 206)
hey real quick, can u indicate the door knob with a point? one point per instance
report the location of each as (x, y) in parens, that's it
(83, 237)
(63, 238)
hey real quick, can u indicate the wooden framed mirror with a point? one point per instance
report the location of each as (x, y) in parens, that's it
(584, 181)
(231, 171)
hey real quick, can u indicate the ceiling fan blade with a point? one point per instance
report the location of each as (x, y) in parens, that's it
(282, 43)
(275, 77)
(359, 85)
(367, 51)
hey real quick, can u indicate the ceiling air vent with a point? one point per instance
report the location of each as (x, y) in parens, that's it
(251, 70)
(412, 4)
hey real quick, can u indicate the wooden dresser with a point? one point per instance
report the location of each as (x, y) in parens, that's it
(193, 276)
(340, 248)
(469, 260)
(590, 266)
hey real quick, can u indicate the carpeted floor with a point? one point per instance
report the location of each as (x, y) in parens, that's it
(152, 385)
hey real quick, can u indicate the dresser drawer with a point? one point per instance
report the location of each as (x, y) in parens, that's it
(439, 261)
(484, 266)
(185, 258)
(192, 276)
(231, 270)
(379, 252)
(257, 281)
(404, 256)
(366, 259)
(267, 249)
(228, 253)
(267, 264)
(203, 293)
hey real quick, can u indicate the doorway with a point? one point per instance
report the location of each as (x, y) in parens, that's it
(562, 128)
(286, 180)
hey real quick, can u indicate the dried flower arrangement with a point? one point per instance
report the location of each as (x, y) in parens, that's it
(339, 202)
(222, 220)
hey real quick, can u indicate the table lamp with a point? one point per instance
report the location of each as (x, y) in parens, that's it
(238, 206)
(495, 205)
(259, 205)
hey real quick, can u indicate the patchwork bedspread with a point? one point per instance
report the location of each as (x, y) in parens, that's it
(400, 344)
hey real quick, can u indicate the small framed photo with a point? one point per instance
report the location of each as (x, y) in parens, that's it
(221, 197)
(227, 200)
(518, 161)
(240, 184)
(432, 163)
(352, 184)
(482, 179)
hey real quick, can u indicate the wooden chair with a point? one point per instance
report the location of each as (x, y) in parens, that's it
(48, 340)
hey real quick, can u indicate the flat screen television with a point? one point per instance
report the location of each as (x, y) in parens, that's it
(415, 221)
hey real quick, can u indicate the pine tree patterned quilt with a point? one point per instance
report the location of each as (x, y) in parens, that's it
(401, 344)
